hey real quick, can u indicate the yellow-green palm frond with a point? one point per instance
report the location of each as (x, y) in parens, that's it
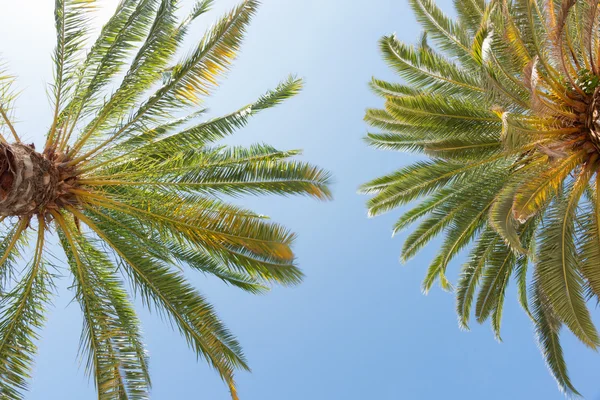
(135, 183)
(504, 102)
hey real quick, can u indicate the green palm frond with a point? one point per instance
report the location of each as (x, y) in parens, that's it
(503, 102)
(138, 188)
(590, 243)
(427, 70)
(72, 18)
(204, 133)
(448, 35)
(547, 329)
(470, 13)
(472, 272)
(110, 334)
(21, 318)
(105, 59)
(558, 264)
(166, 290)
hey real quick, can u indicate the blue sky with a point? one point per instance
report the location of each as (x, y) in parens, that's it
(359, 327)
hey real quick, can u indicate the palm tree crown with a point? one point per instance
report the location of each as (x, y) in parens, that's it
(133, 184)
(505, 103)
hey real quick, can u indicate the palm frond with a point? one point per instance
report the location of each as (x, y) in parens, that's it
(448, 35)
(22, 316)
(193, 76)
(169, 294)
(503, 103)
(557, 255)
(116, 358)
(105, 59)
(71, 18)
(137, 187)
(547, 329)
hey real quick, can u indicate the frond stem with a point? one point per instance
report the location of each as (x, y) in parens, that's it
(9, 124)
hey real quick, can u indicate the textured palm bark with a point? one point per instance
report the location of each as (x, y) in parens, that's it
(30, 183)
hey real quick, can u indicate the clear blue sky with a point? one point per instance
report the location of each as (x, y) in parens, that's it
(359, 327)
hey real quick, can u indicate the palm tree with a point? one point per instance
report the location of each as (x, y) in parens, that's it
(131, 181)
(505, 105)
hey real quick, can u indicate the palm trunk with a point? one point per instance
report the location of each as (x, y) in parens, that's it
(28, 181)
